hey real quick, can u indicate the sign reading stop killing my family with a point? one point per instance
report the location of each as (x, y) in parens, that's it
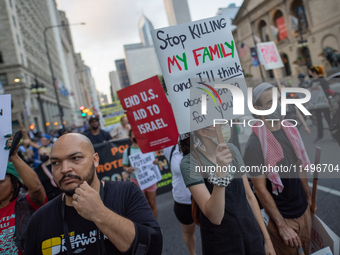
(5, 128)
(192, 57)
(149, 114)
(146, 172)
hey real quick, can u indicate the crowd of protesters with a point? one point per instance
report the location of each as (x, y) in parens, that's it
(87, 215)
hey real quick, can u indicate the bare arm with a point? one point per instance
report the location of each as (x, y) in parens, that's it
(258, 216)
(288, 235)
(212, 205)
(29, 177)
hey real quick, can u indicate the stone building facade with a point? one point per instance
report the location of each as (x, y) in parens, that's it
(23, 59)
(301, 30)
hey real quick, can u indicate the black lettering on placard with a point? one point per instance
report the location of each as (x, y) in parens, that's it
(0, 112)
(197, 30)
(181, 86)
(171, 40)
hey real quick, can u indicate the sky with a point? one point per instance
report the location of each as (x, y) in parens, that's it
(110, 24)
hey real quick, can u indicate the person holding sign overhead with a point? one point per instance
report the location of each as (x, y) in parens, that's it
(230, 218)
(150, 193)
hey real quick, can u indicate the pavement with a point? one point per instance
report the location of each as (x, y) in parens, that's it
(328, 197)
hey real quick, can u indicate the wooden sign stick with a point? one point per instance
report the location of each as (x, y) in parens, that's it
(315, 179)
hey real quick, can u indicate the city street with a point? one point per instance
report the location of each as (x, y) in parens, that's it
(328, 196)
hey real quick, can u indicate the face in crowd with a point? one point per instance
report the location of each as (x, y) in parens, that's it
(73, 161)
(94, 124)
(45, 141)
(124, 121)
(132, 137)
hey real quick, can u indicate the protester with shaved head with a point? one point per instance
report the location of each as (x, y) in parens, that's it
(91, 216)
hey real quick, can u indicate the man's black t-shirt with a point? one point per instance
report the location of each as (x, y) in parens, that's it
(101, 137)
(45, 233)
(291, 202)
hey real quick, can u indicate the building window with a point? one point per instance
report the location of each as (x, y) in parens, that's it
(263, 31)
(14, 23)
(22, 59)
(1, 60)
(18, 40)
(298, 11)
(3, 79)
(280, 27)
(10, 3)
(285, 60)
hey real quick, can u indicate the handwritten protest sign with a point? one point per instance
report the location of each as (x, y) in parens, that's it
(5, 128)
(149, 114)
(269, 55)
(204, 50)
(147, 174)
(110, 166)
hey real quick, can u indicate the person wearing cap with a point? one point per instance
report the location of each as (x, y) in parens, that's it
(96, 134)
(16, 208)
(285, 195)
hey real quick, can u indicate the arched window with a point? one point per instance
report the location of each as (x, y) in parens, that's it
(285, 60)
(280, 29)
(263, 31)
(298, 12)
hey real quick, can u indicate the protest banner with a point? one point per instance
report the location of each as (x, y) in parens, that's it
(281, 25)
(318, 98)
(5, 128)
(322, 236)
(112, 113)
(204, 50)
(270, 56)
(147, 174)
(111, 164)
(149, 114)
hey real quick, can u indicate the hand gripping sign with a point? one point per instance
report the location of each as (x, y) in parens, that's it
(149, 114)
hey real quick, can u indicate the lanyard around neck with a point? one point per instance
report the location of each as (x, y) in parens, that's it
(100, 236)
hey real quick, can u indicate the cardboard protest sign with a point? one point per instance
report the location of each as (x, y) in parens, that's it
(318, 98)
(110, 166)
(204, 50)
(270, 56)
(5, 128)
(146, 172)
(112, 113)
(149, 114)
(322, 236)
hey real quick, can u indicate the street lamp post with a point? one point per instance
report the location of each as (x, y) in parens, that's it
(60, 109)
(38, 89)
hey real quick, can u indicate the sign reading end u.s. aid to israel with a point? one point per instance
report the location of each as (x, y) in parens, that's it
(203, 50)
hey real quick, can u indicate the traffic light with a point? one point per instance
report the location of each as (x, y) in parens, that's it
(83, 114)
(81, 107)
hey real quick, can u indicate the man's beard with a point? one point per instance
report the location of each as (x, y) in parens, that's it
(88, 178)
(95, 128)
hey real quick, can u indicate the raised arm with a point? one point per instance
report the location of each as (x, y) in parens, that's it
(29, 177)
